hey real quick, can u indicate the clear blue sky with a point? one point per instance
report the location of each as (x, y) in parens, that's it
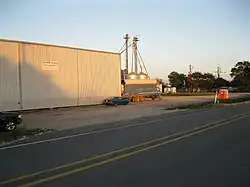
(173, 33)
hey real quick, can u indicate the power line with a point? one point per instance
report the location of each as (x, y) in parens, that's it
(130, 44)
(122, 48)
(142, 61)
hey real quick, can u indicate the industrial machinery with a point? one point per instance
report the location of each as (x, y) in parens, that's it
(137, 86)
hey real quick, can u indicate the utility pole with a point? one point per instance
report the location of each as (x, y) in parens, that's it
(190, 69)
(190, 82)
(218, 72)
(135, 40)
(126, 37)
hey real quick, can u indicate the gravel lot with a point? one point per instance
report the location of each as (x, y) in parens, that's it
(66, 118)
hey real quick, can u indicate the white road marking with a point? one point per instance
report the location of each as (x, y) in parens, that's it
(89, 133)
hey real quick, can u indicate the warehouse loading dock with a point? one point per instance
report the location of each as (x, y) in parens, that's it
(34, 76)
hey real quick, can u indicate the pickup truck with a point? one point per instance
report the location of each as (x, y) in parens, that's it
(10, 120)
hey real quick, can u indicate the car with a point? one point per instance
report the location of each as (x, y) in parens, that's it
(10, 120)
(116, 101)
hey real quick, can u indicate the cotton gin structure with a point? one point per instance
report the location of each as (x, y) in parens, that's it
(34, 76)
(136, 78)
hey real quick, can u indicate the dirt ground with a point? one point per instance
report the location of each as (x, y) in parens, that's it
(66, 118)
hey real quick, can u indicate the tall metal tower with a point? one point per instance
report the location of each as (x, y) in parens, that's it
(135, 61)
(218, 72)
(126, 37)
(135, 40)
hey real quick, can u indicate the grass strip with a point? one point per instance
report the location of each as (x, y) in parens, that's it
(189, 94)
(211, 103)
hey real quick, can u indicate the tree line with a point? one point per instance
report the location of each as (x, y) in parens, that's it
(198, 81)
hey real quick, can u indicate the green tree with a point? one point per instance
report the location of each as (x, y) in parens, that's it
(220, 82)
(241, 75)
(197, 79)
(178, 80)
(202, 81)
(208, 81)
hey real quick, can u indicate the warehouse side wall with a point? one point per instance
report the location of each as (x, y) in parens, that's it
(9, 76)
(49, 77)
(99, 76)
(34, 76)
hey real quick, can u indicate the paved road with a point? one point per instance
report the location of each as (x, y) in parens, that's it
(192, 148)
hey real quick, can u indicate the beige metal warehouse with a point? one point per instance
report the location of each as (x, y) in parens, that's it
(34, 76)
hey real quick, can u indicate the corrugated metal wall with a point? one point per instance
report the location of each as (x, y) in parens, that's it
(52, 76)
(52, 87)
(9, 76)
(99, 76)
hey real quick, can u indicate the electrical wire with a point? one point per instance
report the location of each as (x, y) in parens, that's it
(139, 62)
(142, 61)
(122, 48)
(125, 49)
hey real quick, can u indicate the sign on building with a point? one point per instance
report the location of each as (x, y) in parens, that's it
(50, 66)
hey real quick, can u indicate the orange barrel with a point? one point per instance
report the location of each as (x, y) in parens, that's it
(223, 94)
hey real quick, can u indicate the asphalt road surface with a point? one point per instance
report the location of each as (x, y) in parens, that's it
(192, 148)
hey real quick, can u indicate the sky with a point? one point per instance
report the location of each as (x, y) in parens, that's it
(172, 33)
